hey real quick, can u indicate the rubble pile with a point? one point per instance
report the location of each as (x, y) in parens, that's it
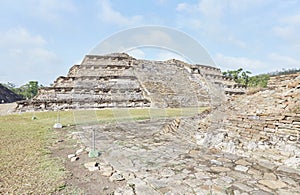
(264, 125)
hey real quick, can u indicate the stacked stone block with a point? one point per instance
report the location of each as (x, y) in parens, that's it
(267, 123)
(118, 80)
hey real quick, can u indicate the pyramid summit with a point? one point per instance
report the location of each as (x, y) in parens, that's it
(119, 80)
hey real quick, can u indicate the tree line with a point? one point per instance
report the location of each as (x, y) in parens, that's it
(27, 91)
(285, 72)
(243, 77)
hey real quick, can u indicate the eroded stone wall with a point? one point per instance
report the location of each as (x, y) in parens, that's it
(264, 125)
(118, 80)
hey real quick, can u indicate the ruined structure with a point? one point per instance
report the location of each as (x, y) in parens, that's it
(262, 125)
(249, 145)
(8, 96)
(119, 80)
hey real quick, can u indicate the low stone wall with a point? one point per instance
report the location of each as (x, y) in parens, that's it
(264, 125)
(266, 128)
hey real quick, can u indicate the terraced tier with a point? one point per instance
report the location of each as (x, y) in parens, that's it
(123, 81)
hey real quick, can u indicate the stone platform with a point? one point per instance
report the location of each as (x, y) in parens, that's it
(119, 80)
(153, 160)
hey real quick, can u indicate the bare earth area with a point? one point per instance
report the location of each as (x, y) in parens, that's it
(7, 108)
(79, 180)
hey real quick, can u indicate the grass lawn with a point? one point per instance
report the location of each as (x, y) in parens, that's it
(127, 114)
(26, 165)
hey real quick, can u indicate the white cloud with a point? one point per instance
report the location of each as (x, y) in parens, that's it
(136, 53)
(272, 63)
(291, 20)
(284, 61)
(108, 14)
(161, 2)
(215, 12)
(52, 10)
(211, 8)
(215, 9)
(154, 37)
(289, 29)
(25, 57)
(234, 41)
(42, 56)
(32, 60)
(207, 16)
(231, 63)
(20, 37)
(284, 31)
(245, 5)
(185, 22)
(167, 55)
(184, 7)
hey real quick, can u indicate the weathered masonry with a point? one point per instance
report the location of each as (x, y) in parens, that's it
(119, 80)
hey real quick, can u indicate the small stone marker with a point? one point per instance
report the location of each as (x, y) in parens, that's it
(94, 153)
(57, 126)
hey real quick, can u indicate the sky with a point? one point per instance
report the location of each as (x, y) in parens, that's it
(41, 39)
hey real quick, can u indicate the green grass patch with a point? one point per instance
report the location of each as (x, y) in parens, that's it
(25, 163)
(140, 113)
(26, 166)
(129, 114)
(188, 111)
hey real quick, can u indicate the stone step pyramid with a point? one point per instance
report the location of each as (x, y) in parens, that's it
(119, 80)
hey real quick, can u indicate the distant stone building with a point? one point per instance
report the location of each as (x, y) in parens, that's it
(119, 80)
(8, 96)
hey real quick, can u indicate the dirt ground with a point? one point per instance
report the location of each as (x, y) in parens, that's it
(7, 108)
(79, 180)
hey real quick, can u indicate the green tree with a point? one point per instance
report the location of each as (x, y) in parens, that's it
(242, 77)
(29, 90)
(245, 78)
(235, 74)
(238, 75)
(259, 80)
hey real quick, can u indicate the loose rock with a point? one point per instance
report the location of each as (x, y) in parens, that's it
(91, 166)
(71, 155)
